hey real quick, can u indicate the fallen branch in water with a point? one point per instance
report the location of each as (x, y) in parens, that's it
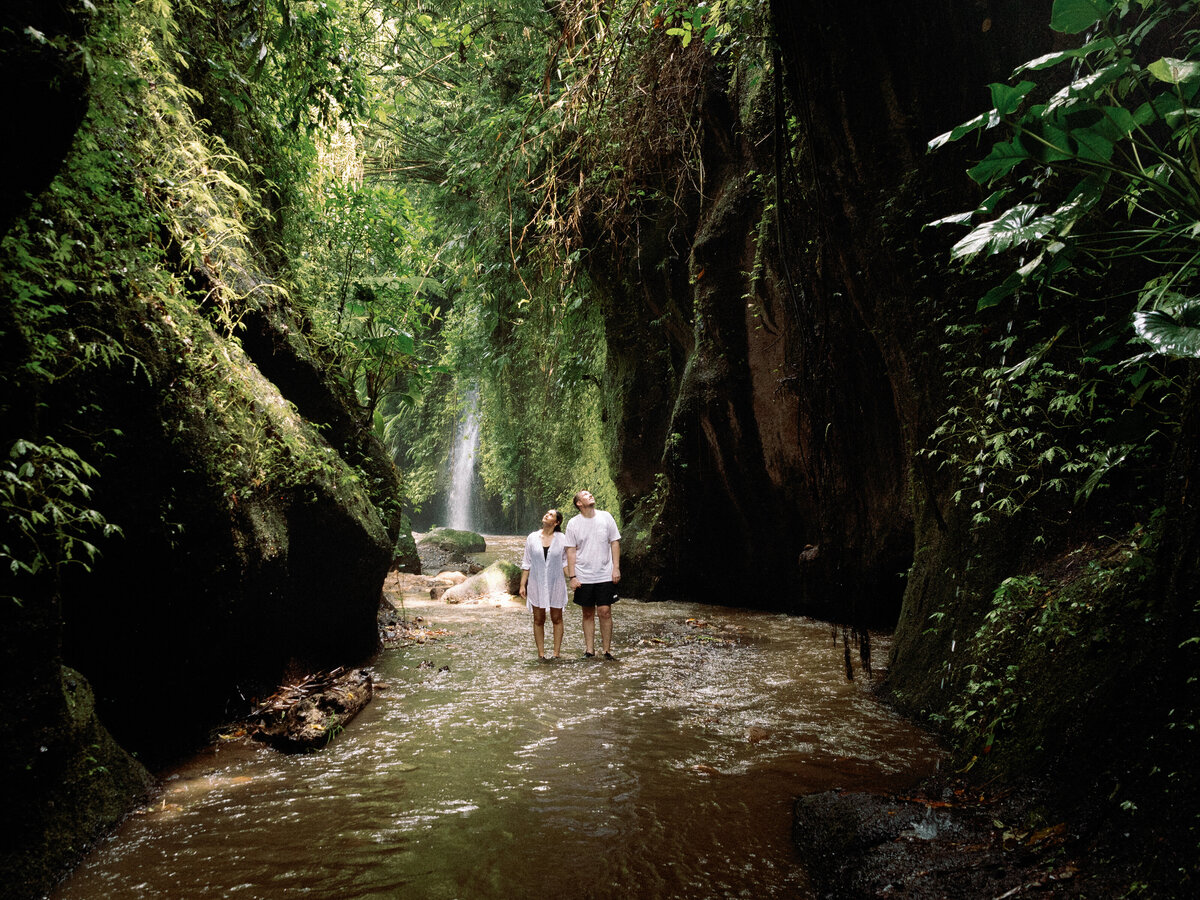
(307, 715)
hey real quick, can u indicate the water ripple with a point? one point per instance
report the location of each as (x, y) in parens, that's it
(485, 773)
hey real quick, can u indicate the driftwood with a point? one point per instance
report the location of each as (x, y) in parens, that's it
(308, 715)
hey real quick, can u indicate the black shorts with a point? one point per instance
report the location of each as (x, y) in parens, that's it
(602, 594)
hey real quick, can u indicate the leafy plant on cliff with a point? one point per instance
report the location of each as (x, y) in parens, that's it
(1092, 222)
(49, 522)
(151, 208)
(1096, 208)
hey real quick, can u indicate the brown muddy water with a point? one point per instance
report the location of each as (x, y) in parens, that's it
(480, 772)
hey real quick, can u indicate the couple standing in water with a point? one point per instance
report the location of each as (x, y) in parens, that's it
(589, 555)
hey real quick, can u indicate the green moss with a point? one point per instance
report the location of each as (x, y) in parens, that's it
(404, 553)
(454, 541)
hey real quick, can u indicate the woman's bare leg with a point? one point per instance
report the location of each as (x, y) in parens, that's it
(556, 618)
(539, 630)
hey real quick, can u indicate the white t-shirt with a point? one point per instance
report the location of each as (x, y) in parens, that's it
(591, 537)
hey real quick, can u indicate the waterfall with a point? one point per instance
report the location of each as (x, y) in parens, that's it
(462, 464)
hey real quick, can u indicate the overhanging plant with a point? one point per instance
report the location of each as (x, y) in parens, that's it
(1094, 208)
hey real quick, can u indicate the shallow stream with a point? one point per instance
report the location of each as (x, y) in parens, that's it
(480, 772)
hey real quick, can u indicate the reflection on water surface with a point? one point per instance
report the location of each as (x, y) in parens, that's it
(667, 773)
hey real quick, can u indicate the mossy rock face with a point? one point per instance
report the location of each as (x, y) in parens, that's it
(77, 783)
(404, 553)
(452, 540)
(258, 512)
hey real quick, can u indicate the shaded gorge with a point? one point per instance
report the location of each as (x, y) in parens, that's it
(480, 772)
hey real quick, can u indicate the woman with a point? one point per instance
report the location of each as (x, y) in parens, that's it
(543, 580)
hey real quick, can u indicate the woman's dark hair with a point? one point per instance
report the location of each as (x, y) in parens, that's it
(558, 518)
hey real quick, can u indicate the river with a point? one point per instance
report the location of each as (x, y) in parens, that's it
(479, 771)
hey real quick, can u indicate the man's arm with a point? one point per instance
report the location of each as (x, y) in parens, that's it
(571, 572)
(615, 546)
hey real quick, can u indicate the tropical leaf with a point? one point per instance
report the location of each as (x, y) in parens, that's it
(1175, 71)
(1055, 144)
(1019, 225)
(1053, 59)
(1087, 88)
(1074, 16)
(1092, 146)
(986, 208)
(956, 219)
(983, 120)
(1003, 158)
(1000, 292)
(1006, 98)
(1173, 331)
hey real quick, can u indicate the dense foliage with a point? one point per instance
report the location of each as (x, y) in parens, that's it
(1081, 403)
(1095, 209)
(156, 203)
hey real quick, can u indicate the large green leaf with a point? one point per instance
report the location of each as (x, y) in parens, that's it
(1054, 146)
(1173, 331)
(1088, 87)
(1006, 98)
(1118, 123)
(1019, 225)
(1000, 292)
(1157, 109)
(983, 120)
(1074, 16)
(1092, 146)
(1004, 157)
(1053, 59)
(1175, 71)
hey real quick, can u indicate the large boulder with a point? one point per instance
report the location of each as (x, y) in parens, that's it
(500, 576)
(453, 541)
(252, 546)
(66, 780)
(405, 555)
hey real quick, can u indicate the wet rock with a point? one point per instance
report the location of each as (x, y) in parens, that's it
(756, 733)
(863, 845)
(452, 540)
(438, 555)
(500, 576)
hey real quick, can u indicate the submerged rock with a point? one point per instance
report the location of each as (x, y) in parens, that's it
(865, 845)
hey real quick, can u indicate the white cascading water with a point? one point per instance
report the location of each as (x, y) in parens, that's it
(462, 464)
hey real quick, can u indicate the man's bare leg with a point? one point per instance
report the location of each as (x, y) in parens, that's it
(589, 629)
(605, 613)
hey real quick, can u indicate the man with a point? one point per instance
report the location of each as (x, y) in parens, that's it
(594, 567)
